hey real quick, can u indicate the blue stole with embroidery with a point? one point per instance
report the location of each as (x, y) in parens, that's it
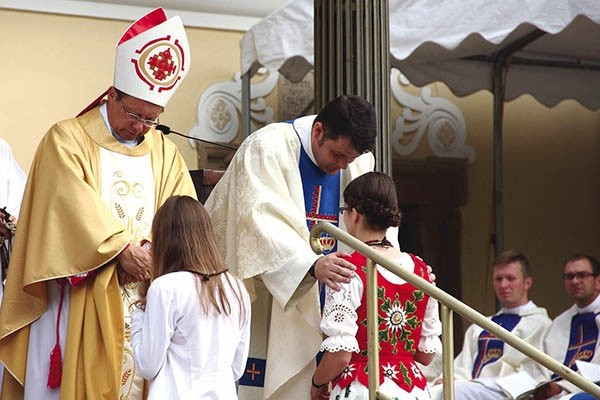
(321, 198)
(582, 339)
(490, 348)
(321, 202)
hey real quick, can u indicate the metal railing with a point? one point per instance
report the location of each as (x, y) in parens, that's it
(449, 304)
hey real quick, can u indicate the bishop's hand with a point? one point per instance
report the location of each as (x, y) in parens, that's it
(135, 261)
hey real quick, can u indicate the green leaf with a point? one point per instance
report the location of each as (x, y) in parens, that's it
(418, 295)
(413, 322)
(410, 307)
(407, 378)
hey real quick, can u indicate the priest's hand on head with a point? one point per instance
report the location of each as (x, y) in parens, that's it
(137, 262)
(332, 270)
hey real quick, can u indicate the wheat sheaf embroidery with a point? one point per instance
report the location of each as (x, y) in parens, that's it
(120, 211)
(139, 214)
(125, 376)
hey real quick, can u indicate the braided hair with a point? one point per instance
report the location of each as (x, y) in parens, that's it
(374, 196)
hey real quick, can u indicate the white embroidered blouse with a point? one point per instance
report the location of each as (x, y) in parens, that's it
(339, 321)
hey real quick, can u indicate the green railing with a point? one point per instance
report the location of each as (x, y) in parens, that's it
(449, 304)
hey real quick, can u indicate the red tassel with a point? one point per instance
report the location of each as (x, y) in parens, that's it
(55, 370)
(55, 373)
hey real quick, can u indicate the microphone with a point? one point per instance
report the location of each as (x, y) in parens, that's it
(166, 130)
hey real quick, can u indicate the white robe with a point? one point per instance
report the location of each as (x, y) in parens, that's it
(12, 186)
(557, 341)
(184, 353)
(258, 212)
(531, 328)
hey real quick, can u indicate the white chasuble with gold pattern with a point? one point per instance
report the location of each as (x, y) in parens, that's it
(128, 190)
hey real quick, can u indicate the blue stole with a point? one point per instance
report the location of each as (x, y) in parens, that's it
(490, 348)
(582, 339)
(321, 198)
(321, 202)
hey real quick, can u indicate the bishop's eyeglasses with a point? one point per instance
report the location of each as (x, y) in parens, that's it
(148, 123)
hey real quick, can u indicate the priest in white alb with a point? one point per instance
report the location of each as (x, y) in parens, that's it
(283, 179)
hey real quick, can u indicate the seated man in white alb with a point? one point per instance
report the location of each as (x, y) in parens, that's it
(573, 335)
(485, 358)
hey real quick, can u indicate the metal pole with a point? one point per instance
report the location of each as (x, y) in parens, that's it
(246, 126)
(499, 90)
(373, 329)
(499, 71)
(385, 109)
(447, 352)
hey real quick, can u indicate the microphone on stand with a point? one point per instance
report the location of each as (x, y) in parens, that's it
(166, 130)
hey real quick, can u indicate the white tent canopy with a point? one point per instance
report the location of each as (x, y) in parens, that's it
(453, 41)
(549, 49)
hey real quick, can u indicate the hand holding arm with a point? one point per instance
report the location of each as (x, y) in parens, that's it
(333, 269)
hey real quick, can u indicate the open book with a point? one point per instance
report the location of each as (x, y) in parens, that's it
(521, 386)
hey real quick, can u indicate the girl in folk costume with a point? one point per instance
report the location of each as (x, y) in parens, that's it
(190, 336)
(408, 319)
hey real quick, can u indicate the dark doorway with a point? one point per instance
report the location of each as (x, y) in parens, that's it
(430, 193)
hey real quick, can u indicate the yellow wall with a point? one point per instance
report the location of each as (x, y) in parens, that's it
(54, 65)
(551, 195)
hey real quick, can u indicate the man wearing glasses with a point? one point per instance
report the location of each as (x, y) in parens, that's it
(78, 260)
(573, 335)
